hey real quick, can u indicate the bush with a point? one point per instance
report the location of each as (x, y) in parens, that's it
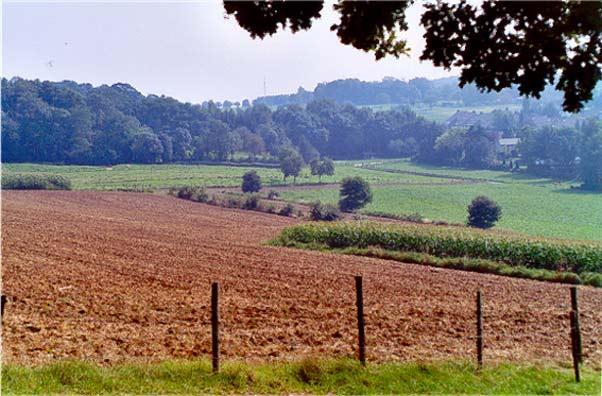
(251, 202)
(483, 212)
(197, 194)
(287, 210)
(233, 201)
(37, 181)
(320, 212)
(273, 194)
(200, 195)
(185, 192)
(355, 194)
(251, 182)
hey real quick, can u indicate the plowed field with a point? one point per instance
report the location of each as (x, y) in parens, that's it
(113, 277)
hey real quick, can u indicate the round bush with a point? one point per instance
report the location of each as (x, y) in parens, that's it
(355, 194)
(483, 212)
(251, 182)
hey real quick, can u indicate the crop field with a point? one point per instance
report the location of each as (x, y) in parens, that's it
(165, 176)
(112, 277)
(569, 260)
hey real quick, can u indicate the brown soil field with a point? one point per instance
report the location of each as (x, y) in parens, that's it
(114, 277)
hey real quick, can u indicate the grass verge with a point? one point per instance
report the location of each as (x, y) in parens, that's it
(342, 376)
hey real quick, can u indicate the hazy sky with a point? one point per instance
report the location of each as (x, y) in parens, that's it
(187, 50)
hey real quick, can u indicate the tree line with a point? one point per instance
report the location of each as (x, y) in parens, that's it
(70, 123)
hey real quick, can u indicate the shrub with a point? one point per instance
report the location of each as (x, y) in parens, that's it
(200, 195)
(185, 192)
(483, 212)
(320, 212)
(233, 201)
(287, 210)
(197, 194)
(251, 182)
(37, 181)
(355, 194)
(251, 202)
(273, 194)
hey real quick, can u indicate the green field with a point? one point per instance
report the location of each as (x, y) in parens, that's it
(343, 376)
(530, 205)
(165, 176)
(442, 113)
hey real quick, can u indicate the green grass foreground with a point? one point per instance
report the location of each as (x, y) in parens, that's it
(308, 376)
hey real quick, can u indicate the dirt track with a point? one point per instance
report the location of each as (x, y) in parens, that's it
(121, 276)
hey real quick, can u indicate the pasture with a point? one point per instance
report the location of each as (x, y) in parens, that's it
(530, 205)
(166, 176)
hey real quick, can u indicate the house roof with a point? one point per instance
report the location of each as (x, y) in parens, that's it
(509, 141)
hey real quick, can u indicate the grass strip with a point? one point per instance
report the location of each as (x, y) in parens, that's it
(341, 376)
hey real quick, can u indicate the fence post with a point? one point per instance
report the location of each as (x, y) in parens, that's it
(575, 308)
(2, 304)
(359, 300)
(574, 346)
(479, 330)
(215, 326)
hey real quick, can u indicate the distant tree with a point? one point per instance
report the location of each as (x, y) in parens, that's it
(290, 163)
(479, 148)
(314, 166)
(590, 161)
(251, 143)
(326, 167)
(182, 144)
(251, 182)
(147, 148)
(321, 167)
(450, 146)
(483, 212)
(167, 143)
(355, 193)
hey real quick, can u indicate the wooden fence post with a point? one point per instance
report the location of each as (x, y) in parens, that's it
(215, 326)
(2, 304)
(575, 307)
(359, 300)
(574, 346)
(479, 330)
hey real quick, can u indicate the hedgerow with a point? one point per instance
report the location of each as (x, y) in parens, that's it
(38, 181)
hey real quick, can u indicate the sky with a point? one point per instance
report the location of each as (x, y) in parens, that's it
(187, 50)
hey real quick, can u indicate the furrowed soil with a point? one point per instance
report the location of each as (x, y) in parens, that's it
(115, 277)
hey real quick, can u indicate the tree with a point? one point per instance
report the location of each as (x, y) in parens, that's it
(479, 148)
(290, 163)
(590, 161)
(450, 145)
(321, 167)
(251, 182)
(147, 148)
(483, 212)
(326, 167)
(495, 44)
(355, 193)
(314, 166)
